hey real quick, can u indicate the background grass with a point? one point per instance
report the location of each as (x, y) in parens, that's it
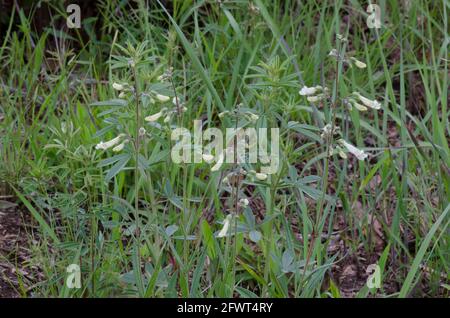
(391, 209)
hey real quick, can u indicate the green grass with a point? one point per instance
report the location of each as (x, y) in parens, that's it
(147, 227)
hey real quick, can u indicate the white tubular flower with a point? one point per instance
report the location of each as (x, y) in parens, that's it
(176, 101)
(120, 146)
(223, 113)
(253, 117)
(358, 106)
(358, 63)
(358, 153)
(162, 98)
(326, 131)
(168, 118)
(122, 95)
(333, 53)
(244, 202)
(340, 37)
(314, 99)
(118, 87)
(142, 132)
(154, 117)
(226, 225)
(106, 145)
(341, 152)
(330, 151)
(261, 176)
(367, 102)
(208, 158)
(308, 91)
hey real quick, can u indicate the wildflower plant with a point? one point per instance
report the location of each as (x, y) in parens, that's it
(331, 132)
(128, 118)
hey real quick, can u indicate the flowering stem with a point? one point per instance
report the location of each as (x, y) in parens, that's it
(136, 180)
(136, 148)
(329, 142)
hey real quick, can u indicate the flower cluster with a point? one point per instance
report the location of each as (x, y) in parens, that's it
(123, 88)
(356, 100)
(166, 112)
(118, 143)
(350, 61)
(314, 94)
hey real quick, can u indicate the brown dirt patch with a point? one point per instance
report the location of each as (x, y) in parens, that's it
(14, 251)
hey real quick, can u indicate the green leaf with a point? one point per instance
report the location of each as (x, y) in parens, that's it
(195, 61)
(111, 102)
(209, 239)
(111, 160)
(421, 253)
(37, 216)
(255, 236)
(117, 168)
(171, 229)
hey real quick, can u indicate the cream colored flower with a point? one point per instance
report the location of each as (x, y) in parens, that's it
(142, 132)
(118, 86)
(162, 98)
(333, 53)
(367, 102)
(358, 63)
(243, 202)
(357, 105)
(154, 117)
(326, 131)
(261, 176)
(120, 146)
(253, 117)
(111, 143)
(222, 114)
(340, 37)
(226, 225)
(330, 151)
(358, 153)
(168, 118)
(341, 152)
(315, 99)
(308, 91)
